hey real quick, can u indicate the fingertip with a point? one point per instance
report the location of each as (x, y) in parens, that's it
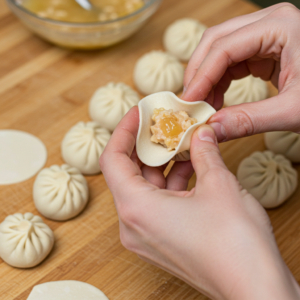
(220, 131)
(205, 133)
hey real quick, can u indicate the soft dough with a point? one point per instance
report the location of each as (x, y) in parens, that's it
(110, 103)
(25, 240)
(66, 290)
(248, 89)
(60, 192)
(284, 142)
(270, 178)
(182, 37)
(83, 145)
(158, 71)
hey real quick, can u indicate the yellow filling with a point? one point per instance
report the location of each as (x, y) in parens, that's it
(70, 11)
(170, 126)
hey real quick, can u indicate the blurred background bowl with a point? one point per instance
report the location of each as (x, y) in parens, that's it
(85, 35)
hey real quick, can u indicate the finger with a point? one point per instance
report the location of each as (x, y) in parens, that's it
(115, 163)
(205, 153)
(179, 176)
(279, 113)
(155, 175)
(219, 31)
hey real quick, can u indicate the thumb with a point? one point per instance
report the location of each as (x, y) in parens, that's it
(279, 113)
(205, 153)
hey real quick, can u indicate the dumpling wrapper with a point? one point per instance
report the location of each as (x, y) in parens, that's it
(66, 290)
(153, 154)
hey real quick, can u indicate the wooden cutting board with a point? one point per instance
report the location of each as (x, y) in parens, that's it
(45, 90)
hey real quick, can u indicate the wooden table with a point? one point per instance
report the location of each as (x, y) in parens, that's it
(45, 90)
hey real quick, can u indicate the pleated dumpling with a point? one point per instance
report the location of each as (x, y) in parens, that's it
(284, 142)
(60, 192)
(110, 103)
(25, 240)
(248, 89)
(182, 37)
(83, 145)
(270, 178)
(158, 71)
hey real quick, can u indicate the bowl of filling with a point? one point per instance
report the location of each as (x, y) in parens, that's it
(67, 24)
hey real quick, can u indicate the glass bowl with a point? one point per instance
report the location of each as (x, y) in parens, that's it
(85, 35)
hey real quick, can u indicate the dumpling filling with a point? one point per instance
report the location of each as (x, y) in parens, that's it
(170, 127)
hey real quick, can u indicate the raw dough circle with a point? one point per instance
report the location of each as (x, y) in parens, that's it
(270, 178)
(22, 155)
(25, 240)
(182, 37)
(83, 145)
(66, 290)
(60, 192)
(284, 142)
(158, 71)
(110, 103)
(248, 89)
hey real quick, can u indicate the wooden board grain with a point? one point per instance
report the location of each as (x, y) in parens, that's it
(45, 90)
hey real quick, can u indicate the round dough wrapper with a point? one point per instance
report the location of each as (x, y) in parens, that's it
(60, 192)
(182, 37)
(270, 178)
(25, 240)
(22, 155)
(110, 103)
(248, 89)
(66, 290)
(83, 145)
(284, 142)
(158, 71)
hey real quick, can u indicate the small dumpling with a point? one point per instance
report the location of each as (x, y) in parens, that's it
(182, 37)
(248, 89)
(284, 142)
(60, 192)
(25, 240)
(158, 71)
(83, 145)
(110, 103)
(270, 178)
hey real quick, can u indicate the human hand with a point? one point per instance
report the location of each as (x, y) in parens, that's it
(217, 237)
(264, 44)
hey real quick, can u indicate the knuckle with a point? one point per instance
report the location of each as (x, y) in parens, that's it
(286, 10)
(205, 152)
(243, 124)
(128, 215)
(126, 240)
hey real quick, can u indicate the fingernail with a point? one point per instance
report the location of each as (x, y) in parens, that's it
(219, 131)
(206, 134)
(183, 92)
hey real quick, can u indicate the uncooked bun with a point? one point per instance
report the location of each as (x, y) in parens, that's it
(60, 192)
(110, 103)
(182, 37)
(83, 145)
(25, 240)
(284, 142)
(248, 89)
(270, 178)
(158, 71)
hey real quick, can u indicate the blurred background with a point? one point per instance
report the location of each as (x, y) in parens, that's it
(265, 3)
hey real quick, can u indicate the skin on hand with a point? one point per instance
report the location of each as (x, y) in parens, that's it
(218, 240)
(264, 44)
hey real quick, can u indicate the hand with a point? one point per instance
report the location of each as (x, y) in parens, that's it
(265, 44)
(216, 237)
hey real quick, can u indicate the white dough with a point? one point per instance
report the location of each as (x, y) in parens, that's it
(66, 290)
(25, 240)
(83, 145)
(153, 154)
(60, 192)
(182, 37)
(158, 71)
(22, 155)
(248, 89)
(110, 103)
(270, 178)
(284, 142)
